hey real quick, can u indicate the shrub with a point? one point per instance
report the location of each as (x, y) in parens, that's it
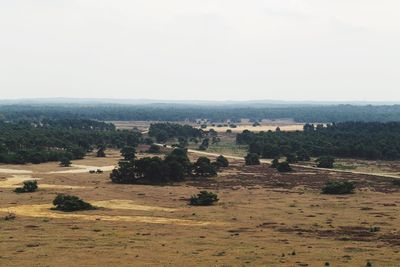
(284, 167)
(291, 158)
(222, 161)
(338, 187)
(396, 182)
(203, 167)
(275, 163)
(70, 203)
(252, 159)
(28, 187)
(65, 162)
(204, 198)
(325, 162)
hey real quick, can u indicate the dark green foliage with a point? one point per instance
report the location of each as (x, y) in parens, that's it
(204, 198)
(128, 152)
(275, 163)
(291, 158)
(28, 187)
(283, 167)
(222, 161)
(155, 170)
(396, 182)
(165, 131)
(325, 162)
(154, 149)
(372, 140)
(203, 167)
(252, 159)
(101, 152)
(303, 155)
(338, 187)
(70, 203)
(204, 144)
(215, 113)
(65, 162)
(49, 140)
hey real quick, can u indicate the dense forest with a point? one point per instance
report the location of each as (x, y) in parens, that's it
(181, 112)
(164, 131)
(51, 140)
(371, 140)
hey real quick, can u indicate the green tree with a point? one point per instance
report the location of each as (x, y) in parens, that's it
(252, 159)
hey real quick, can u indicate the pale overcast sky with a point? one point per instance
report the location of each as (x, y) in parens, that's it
(203, 49)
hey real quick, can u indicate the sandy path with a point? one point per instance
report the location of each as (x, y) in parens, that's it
(17, 180)
(294, 165)
(44, 211)
(83, 169)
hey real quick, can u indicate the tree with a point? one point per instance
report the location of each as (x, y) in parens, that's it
(284, 167)
(65, 162)
(325, 162)
(70, 203)
(252, 159)
(303, 155)
(101, 152)
(275, 163)
(28, 187)
(203, 167)
(128, 153)
(291, 158)
(222, 161)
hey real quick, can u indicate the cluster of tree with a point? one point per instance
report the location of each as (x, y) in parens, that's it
(155, 170)
(214, 113)
(70, 203)
(28, 187)
(165, 131)
(367, 140)
(26, 142)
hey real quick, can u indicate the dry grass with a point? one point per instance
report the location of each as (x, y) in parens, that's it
(261, 219)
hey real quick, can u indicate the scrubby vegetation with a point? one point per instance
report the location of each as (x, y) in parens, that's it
(372, 140)
(325, 162)
(222, 162)
(28, 187)
(338, 188)
(252, 159)
(162, 132)
(70, 203)
(284, 167)
(49, 140)
(204, 198)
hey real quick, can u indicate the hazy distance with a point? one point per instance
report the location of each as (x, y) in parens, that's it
(303, 50)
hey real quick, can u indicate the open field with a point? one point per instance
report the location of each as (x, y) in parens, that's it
(264, 218)
(266, 125)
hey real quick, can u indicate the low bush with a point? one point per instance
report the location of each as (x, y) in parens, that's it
(338, 187)
(284, 167)
(204, 198)
(252, 159)
(70, 203)
(325, 162)
(396, 182)
(222, 161)
(28, 187)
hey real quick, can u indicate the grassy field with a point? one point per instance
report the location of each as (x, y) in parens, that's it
(264, 218)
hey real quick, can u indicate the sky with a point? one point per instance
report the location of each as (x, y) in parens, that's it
(341, 50)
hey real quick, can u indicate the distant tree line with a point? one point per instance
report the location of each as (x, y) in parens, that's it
(181, 112)
(165, 131)
(365, 140)
(52, 140)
